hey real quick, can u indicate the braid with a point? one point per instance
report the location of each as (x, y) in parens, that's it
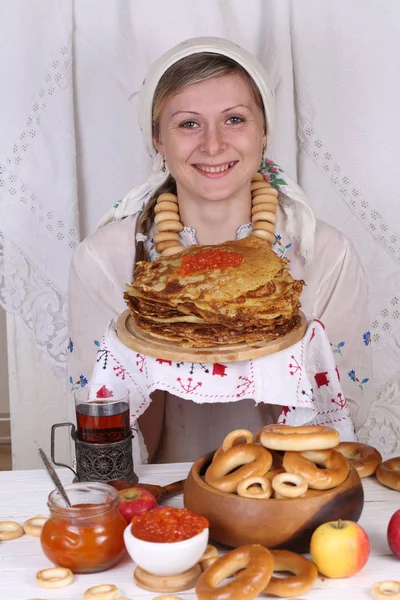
(146, 218)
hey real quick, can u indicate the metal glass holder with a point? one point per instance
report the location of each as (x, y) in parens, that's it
(99, 462)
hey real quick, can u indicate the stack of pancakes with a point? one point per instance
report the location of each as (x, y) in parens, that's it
(253, 299)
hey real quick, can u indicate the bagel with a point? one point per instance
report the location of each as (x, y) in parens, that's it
(54, 578)
(167, 215)
(388, 473)
(10, 530)
(289, 485)
(264, 226)
(169, 226)
(386, 590)
(166, 205)
(263, 215)
(365, 459)
(34, 526)
(167, 197)
(299, 439)
(304, 574)
(228, 469)
(264, 235)
(334, 472)
(171, 250)
(255, 487)
(253, 566)
(238, 434)
(269, 207)
(165, 236)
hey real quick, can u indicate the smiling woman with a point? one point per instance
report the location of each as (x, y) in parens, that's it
(206, 113)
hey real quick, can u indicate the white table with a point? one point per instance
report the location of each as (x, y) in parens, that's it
(23, 494)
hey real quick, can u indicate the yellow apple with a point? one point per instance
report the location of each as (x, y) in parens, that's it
(339, 548)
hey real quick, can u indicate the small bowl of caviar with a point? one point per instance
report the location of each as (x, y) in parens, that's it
(166, 540)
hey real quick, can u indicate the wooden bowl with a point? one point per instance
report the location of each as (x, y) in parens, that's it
(289, 524)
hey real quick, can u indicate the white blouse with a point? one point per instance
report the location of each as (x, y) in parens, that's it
(335, 293)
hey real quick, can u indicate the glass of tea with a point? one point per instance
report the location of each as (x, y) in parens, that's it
(102, 413)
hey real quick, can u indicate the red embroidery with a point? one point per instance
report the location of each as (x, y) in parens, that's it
(245, 385)
(312, 334)
(337, 373)
(321, 379)
(285, 411)
(120, 372)
(320, 322)
(341, 401)
(161, 361)
(188, 387)
(296, 367)
(104, 392)
(140, 362)
(219, 370)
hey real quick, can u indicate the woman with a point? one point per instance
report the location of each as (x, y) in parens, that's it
(206, 113)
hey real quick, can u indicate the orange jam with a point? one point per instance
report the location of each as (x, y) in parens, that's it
(213, 258)
(167, 524)
(89, 537)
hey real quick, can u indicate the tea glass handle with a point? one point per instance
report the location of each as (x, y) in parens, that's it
(53, 444)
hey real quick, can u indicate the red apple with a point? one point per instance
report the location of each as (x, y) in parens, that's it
(393, 533)
(134, 501)
(339, 548)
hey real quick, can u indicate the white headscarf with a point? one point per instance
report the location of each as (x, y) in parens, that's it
(300, 220)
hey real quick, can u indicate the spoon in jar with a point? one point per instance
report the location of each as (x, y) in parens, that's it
(55, 478)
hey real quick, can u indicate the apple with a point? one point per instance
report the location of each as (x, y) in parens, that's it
(134, 501)
(393, 533)
(339, 548)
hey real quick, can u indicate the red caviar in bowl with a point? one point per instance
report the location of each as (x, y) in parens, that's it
(167, 524)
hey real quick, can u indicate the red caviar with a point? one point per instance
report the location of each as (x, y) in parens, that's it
(167, 524)
(213, 258)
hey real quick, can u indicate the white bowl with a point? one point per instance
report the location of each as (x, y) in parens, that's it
(166, 558)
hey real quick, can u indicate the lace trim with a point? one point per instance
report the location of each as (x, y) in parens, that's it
(43, 308)
(362, 208)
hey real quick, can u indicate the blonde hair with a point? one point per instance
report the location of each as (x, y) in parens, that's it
(187, 71)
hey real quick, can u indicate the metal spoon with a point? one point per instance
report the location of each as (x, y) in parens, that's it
(55, 478)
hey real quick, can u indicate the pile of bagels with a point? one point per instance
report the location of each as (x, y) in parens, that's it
(284, 462)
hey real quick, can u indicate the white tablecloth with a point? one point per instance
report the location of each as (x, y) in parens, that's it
(24, 494)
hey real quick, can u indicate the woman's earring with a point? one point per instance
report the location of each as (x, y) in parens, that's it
(164, 166)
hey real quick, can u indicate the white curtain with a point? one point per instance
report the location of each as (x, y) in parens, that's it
(70, 145)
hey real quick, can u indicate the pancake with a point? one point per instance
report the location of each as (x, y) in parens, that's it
(238, 291)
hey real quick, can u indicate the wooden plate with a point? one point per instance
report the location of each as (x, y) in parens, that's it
(135, 338)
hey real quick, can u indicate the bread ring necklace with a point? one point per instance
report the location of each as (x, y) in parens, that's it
(264, 203)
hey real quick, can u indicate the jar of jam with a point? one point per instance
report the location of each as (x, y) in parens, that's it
(89, 537)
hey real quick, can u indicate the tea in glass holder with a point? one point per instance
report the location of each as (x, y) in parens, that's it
(102, 436)
(102, 416)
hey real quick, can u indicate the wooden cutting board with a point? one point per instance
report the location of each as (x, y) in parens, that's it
(135, 338)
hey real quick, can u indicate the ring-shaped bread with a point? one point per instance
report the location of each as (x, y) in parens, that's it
(228, 469)
(289, 485)
(364, 458)
(255, 487)
(388, 473)
(298, 439)
(54, 578)
(334, 472)
(252, 566)
(304, 576)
